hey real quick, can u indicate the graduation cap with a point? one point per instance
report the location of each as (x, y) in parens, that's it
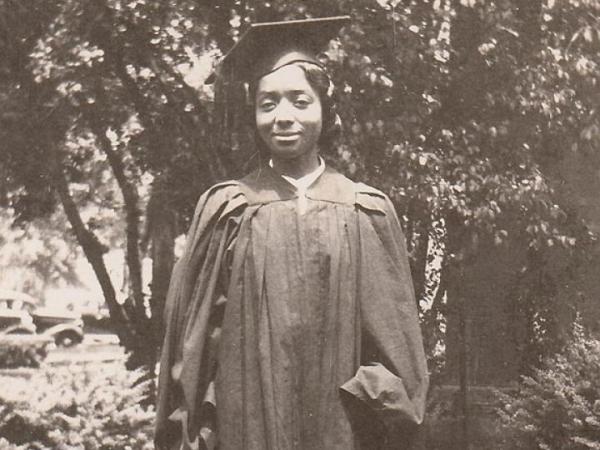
(266, 46)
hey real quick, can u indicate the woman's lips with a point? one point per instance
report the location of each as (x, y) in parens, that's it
(286, 137)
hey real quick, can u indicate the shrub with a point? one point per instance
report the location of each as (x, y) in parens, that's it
(22, 351)
(94, 407)
(558, 407)
(5, 445)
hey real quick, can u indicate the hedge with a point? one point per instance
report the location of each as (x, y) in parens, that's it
(84, 407)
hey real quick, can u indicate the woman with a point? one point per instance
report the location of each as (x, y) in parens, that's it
(291, 318)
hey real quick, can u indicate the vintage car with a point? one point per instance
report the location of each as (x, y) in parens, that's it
(20, 312)
(17, 301)
(11, 321)
(66, 327)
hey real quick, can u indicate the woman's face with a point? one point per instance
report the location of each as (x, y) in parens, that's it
(288, 113)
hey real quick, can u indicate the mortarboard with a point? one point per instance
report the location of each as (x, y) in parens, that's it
(262, 46)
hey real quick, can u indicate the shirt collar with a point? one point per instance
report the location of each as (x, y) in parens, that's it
(305, 181)
(265, 185)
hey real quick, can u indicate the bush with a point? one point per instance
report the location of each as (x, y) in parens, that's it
(558, 408)
(5, 445)
(22, 351)
(95, 407)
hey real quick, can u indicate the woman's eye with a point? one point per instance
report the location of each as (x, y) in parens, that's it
(267, 105)
(302, 102)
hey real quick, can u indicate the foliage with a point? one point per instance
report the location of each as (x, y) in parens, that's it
(36, 254)
(5, 445)
(558, 407)
(22, 351)
(93, 407)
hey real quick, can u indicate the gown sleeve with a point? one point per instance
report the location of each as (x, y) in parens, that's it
(391, 384)
(185, 418)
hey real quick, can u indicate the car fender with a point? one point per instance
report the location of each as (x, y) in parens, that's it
(62, 327)
(21, 328)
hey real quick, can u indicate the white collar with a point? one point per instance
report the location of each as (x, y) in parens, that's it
(305, 181)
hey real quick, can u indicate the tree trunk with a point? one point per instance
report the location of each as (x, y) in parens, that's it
(132, 220)
(143, 343)
(161, 233)
(420, 239)
(94, 252)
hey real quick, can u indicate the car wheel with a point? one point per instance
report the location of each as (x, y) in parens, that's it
(67, 339)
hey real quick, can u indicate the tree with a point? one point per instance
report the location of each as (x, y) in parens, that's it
(36, 254)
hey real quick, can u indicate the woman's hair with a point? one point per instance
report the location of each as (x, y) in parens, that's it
(319, 80)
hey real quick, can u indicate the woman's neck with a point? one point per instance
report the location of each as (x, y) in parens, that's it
(296, 167)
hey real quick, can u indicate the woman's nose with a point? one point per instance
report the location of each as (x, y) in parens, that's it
(284, 113)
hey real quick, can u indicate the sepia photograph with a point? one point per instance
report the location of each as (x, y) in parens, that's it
(299, 225)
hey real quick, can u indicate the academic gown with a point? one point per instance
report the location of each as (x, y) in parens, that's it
(291, 328)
